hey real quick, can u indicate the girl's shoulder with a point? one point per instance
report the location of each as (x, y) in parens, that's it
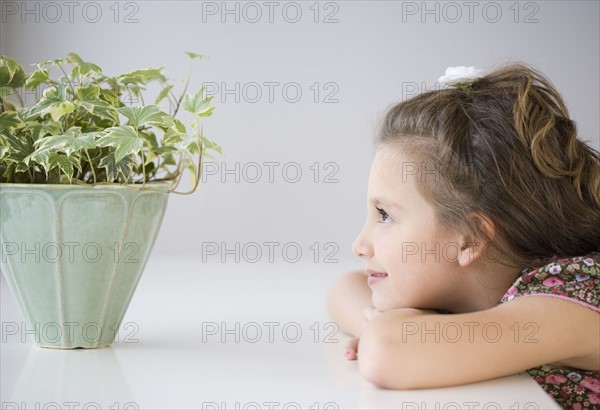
(574, 278)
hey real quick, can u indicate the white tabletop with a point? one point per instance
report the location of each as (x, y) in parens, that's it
(177, 348)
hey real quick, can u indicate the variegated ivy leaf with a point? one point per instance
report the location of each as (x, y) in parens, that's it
(39, 130)
(115, 168)
(158, 151)
(10, 120)
(174, 123)
(169, 159)
(11, 73)
(54, 102)
(173, 136)
(211, 145)
(88, 97)
(88, 92)
(208, 146)
(71, 141)
(82, 68)
(193, 169)
(6, 91)
(90, 107)
(58, 110)
(4, 147)
(198, 104)
(193, 55)
(124, 138)
(140, 116)
(163, 93)
(190, 143)
(143, 76)
(40, 76)
(66, 164)
(20, 148)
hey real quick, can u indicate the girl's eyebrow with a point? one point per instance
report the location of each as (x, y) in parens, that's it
(378, 201)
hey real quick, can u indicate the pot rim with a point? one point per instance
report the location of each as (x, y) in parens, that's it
(150, 186)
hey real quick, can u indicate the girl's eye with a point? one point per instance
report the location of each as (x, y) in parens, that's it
(384, 215)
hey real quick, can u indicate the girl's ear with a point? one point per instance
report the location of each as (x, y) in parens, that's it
(472, 249)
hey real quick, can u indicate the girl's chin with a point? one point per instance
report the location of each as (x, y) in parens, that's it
(383, 305)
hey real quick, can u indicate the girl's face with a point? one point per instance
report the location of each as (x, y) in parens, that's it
(402, 242)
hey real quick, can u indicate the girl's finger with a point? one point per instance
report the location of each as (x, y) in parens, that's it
(351, 349)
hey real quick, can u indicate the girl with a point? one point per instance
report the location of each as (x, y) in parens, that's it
(481, 244)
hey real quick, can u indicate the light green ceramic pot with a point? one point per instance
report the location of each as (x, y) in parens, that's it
(73, 255)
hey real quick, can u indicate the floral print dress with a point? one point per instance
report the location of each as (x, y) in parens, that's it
(576, 279)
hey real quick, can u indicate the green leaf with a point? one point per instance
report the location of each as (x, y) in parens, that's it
(38, 77)
(211, 145)
(163, 93)
(88, 97)
(115, 168)
(83, 118)
(50, 102)
(140, 116)
(6, 91)
(150, 156)
(193, 169)
(147, 169)
(11, 73)
(165, 150)
(58, 110)
(20, 148)
(173, 136)
(88, 92)
(143, 76)
(193, 55)
(150, 137)
(65, 163)
(207, 113)
(9, 120)
(40, 157)
(82, 67)
(71, 141)
(198, 104)
(39, 130)
(168, 159)
(125, 139)
(190, 143)
(175, 124)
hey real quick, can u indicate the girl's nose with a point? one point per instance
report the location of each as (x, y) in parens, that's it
(362, 246)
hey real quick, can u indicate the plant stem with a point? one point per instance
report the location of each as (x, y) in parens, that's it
(187, 83)
(19, 97)
(91, 165)
(68, 79)
(143, 169)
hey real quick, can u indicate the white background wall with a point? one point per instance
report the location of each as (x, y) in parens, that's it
(368, 54)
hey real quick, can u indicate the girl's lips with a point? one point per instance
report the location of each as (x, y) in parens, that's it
(375, 277)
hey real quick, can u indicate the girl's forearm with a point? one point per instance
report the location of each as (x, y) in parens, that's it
(346, 300)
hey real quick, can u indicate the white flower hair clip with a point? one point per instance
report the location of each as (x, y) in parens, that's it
(461, 77)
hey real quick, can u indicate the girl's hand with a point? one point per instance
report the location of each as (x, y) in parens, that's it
(351, 351)
(370, 313)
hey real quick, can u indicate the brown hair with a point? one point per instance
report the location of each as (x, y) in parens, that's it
(505, 149)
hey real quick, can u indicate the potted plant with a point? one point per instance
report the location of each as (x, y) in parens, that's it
(85, 173)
